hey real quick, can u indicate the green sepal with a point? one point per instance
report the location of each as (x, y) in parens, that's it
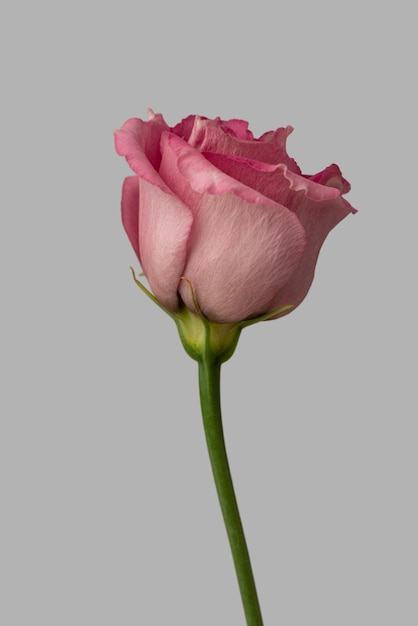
(204, 339)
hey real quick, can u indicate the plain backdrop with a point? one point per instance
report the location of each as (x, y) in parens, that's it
(108, 511)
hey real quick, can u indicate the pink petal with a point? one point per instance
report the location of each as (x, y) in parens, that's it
(139, 143)
(318, 221)
(237, 128)
(162, 221)
(240, 255)
(318, 207)
(332, 177)
(165, 224)
(208, 136)
(318, 218)
(243, 247)
(277, 137)
(130, 211)
(189, 174)
(184, 128)
(277, 182)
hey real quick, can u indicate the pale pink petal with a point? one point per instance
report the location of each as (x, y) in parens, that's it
(208, 136)
(165, 224)
(130, 211)
(139, 143)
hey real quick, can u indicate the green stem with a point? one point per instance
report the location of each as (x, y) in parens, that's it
(209, 383)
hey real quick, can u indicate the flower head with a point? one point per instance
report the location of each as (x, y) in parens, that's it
(231, 213)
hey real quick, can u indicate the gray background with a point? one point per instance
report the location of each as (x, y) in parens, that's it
(109, 515)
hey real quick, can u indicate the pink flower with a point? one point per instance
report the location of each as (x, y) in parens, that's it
(230, 212)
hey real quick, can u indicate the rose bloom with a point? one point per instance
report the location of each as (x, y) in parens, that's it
(230, 212)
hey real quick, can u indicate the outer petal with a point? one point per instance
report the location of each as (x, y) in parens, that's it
(208, 136)
(319, 216)
(240, 255)
(130, 211)
(243, 247)
(139, 143)
(161, 220)
(165, 224)
(319, 208)
(318, 219)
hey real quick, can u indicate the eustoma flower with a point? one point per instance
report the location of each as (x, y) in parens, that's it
(231, 213)
(227, 231)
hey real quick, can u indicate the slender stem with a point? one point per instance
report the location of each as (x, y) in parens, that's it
(209, 382)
